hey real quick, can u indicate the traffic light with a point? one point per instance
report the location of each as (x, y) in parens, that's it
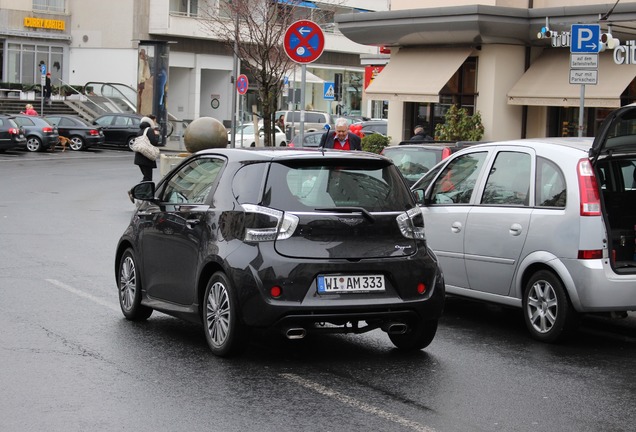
(608, 41)
(338, 86)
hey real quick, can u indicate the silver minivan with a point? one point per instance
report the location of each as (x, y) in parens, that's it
(546, 225)
(314, 121)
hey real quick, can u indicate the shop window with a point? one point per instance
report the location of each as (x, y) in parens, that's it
(459, 90)
(49, 5)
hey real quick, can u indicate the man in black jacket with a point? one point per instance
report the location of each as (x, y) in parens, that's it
(342, 139)
(420, 135)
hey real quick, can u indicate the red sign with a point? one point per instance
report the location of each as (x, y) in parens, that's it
(242, 84)
(304, 41)
(370, 72)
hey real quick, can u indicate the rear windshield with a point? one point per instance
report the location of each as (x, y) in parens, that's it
(307, 185)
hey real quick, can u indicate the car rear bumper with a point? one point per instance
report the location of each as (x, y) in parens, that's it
(599, 288)
(301, 304)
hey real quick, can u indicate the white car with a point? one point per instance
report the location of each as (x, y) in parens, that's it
(245, 136)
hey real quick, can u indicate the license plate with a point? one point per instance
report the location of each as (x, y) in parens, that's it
(350, 284)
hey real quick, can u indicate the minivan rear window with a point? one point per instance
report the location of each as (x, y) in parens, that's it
(302, 186)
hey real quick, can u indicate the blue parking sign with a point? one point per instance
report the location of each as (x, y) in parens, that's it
(586, 38)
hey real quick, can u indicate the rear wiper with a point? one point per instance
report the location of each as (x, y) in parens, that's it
(364, 212)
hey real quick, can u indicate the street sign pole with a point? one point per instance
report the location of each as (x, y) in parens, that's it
(585, 39)
(581, 109)
(302, 103)
(304, 42)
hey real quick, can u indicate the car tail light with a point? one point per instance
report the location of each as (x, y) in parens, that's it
(590, 254)
(275, 291)
(47, 129)
(446, 152)
(291, 145)
(588, 189)
(411, 224)
(14, 131)
(421, 288)
(268, 224)
(93, 132)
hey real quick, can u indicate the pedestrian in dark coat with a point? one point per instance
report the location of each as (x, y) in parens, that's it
(342, 139)
(420, 135)
(147, 165)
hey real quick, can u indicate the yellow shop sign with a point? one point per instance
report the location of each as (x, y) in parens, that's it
(44, 23)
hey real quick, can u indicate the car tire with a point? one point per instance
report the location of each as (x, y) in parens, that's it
(547, 310)
(130, 142)
(33, 144)
(417, 336)
(222, 325)
(129, 287)
(77, 143)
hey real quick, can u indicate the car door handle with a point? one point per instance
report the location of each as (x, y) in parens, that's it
(515, 229)
(456, 227)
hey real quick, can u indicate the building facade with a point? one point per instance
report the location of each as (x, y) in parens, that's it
(510, 60)
(90, 42)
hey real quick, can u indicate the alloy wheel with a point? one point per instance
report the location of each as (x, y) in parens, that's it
(127, 283)
(218, 312)
(542, 306)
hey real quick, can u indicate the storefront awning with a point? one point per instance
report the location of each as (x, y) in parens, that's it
(416, 74)
(547, 82)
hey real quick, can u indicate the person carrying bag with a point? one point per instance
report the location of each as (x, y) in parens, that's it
(146, 152)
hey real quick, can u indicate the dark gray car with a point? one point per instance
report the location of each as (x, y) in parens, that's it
(295, 240)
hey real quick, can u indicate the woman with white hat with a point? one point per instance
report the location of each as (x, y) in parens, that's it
(147, 165)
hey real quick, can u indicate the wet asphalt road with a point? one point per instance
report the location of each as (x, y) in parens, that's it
(70, 362)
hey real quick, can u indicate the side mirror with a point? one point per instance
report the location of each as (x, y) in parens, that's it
(419, 196)
(144, 191)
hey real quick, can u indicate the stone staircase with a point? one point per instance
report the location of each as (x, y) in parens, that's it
(15, 106)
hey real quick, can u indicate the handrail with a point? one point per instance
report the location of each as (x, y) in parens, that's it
(80, 94)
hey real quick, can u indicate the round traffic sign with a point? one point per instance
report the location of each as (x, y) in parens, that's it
(242, 84)
(304, 41)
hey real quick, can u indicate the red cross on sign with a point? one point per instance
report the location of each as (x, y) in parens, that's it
(304, 41)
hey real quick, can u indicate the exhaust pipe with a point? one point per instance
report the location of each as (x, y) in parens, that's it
(295, 333)
(395, 328)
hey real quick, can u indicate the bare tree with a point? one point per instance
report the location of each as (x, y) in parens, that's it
(260, 35)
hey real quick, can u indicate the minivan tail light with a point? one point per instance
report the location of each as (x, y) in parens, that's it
(446, 152)
(590, 254)
(588, 189)
(411, 224)
(268, 224)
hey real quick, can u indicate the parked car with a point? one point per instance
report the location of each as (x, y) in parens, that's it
(245, 136)
(370, 127)
(545, 225)
(414, 160)
(120, 129)
(81, 133)
(314, 121)
(294, 240)
(310, 139)
(40, 134)
(11, 135)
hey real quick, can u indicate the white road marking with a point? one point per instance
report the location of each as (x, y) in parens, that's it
(356, 403)
(83, 294)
